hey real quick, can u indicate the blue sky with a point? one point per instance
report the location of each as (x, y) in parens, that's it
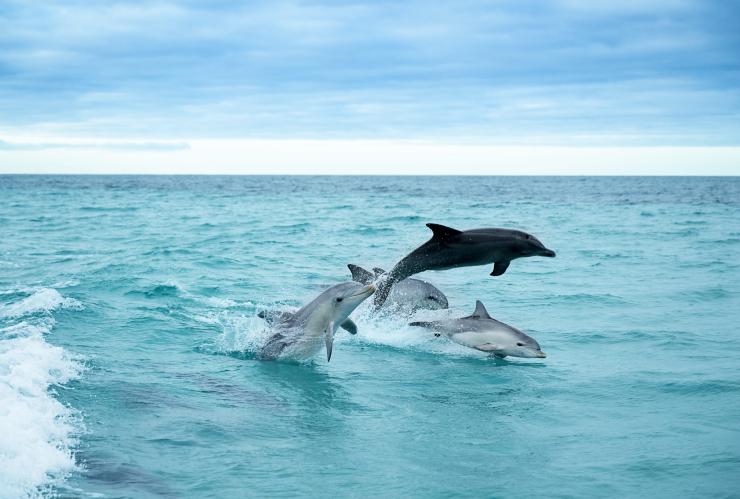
(565, 73)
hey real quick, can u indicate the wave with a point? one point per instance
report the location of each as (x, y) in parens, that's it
(38, 431)
(41, 300)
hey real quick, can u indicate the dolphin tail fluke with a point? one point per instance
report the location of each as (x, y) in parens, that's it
(383, 289)
(378, 272)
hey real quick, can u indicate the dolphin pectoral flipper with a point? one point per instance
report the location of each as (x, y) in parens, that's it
(488, 347)
(349, 326)
(500, 267)
(329, 339)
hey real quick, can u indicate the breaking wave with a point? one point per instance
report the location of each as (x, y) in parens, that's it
(38, 431)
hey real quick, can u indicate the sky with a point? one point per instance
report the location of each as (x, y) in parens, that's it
(481, 87)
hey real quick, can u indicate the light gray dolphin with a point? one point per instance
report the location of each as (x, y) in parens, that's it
(300, 335)
(450, 248)
(484, 333)
(407, 295)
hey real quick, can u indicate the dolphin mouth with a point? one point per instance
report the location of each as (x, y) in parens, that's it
(367, 290)
(541, 354)
(548, 253)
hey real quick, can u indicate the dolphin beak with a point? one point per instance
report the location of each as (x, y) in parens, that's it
(548, 253)
(541, 354)
(367, 290)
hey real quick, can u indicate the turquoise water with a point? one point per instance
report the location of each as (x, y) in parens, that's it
(128, 324)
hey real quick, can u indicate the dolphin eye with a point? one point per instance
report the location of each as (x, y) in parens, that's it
(520, 344)
(339, 299)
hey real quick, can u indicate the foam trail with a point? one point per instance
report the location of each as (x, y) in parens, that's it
(242, 333)
(37, 430)
(392, 331)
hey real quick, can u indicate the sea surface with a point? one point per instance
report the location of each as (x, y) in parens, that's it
(128, 333)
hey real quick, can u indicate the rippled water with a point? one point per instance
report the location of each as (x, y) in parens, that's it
(128, 324)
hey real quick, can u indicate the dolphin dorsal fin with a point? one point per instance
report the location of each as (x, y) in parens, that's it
(378, 271)
(443, 232)
(480, 311)
(360, 275)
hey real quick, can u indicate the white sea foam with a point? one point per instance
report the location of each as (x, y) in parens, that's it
(42, 300)
(37, 431)
(243, 333)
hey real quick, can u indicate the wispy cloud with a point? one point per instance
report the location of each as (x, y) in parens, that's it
(555, 72)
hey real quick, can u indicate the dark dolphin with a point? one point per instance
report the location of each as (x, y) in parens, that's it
(450, 248)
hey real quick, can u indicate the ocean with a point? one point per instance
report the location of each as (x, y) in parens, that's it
(128, 333)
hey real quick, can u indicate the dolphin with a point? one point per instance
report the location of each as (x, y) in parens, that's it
(407, 295)
(484, 333)
(450, 248)
(299, 334)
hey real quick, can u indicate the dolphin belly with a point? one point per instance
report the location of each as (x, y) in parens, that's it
(451, 257)
(484, 341)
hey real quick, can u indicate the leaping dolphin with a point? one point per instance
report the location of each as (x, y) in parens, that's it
(484, 333)
(450, 248)
(407, 295)
(299, 334)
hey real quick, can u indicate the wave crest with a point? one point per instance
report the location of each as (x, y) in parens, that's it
(37, 434)
(41, 300)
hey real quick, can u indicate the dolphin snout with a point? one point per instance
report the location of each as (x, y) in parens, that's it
(541, 354)
(548, 253)
(367, 290)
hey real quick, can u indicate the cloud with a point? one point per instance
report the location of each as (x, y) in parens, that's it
(555, 72)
